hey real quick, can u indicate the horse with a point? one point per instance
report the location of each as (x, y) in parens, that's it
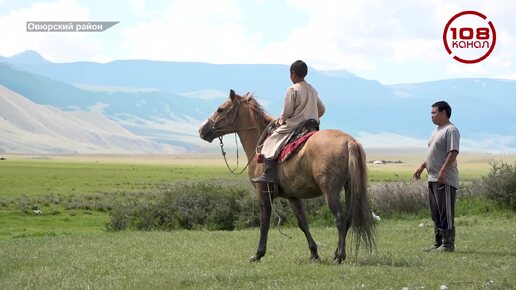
(329, 161)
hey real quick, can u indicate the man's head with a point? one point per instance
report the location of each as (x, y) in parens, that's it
(298, 71)
(441, 113)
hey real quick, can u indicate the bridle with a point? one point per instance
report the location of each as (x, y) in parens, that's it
(233, 110)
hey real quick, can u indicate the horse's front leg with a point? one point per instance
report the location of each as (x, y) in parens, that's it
(264, 203)
(297, 207)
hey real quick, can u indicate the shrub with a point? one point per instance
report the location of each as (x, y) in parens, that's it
(399, 197)
(188, 207)
(210, 206)
(214, 206)
(500, 184)
(247, 216)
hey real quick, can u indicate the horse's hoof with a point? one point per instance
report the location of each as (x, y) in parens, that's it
(315, 259)
(339, 259)
(254, 259)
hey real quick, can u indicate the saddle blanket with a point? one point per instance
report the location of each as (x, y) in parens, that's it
(291, 148)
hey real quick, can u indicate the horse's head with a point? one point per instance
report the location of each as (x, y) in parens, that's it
(224, 120)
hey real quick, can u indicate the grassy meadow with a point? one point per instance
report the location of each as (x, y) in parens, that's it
(218, 260)
(48, 241)
(37, 175)
(89, 174)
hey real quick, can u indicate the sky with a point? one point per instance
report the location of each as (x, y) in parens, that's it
(389, 41)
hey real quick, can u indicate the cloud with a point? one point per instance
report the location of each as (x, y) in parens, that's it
(389, 140)
(338, 35)
(186, 32)
(485, 143)
(55, 46)
(206, 94)
(489, 143)
(373, 39)
(357, 35)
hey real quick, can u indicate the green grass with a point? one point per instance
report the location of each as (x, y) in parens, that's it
(28, 182)
(400, 172)
(14, 224)
(485, 257)
(37, 177)
(67, 246)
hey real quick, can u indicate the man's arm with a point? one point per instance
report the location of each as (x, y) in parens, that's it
(320, 107)
(452, 156)
(288, 106)
(417, 174)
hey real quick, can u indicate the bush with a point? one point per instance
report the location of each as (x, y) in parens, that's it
(248, 215)
(210, 206)
(188, 207)
(399, 198)
(500, 184)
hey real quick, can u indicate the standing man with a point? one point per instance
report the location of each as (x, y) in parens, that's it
(301, 104)
(443, 176)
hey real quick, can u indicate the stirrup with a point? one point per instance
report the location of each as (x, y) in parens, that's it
(264, 179)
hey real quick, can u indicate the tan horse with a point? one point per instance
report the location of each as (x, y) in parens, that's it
(329, 161)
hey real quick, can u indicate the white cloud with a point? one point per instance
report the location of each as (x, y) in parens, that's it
(485, 143)
(55, 46)
(137, 6)
(489, 143)
(206, 94)
(389, 140)
(338, 35)
(204, 31)
(373, 39)
(365, 36)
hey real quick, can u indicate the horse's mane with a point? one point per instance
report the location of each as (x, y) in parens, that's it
(255, 106)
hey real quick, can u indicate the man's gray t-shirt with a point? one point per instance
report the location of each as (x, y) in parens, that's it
(443, 140)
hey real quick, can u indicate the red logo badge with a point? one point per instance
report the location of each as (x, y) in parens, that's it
(469, 37)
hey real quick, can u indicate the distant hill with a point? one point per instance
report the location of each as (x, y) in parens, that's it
(157, 116)
(166, 101)
(27, 127)
(27, 57)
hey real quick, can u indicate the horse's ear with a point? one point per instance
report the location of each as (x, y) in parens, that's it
(232, 95)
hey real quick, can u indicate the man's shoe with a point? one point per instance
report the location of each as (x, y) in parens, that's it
(438, 241)
(431, 248)
(269, 174)
(443, 249)
(448, 241)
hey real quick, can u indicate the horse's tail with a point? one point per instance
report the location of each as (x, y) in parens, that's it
(362, 223)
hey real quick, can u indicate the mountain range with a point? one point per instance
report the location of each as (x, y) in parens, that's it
(29, 127)
(163, 103)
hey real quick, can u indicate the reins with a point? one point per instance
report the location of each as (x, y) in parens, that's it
(232, 171)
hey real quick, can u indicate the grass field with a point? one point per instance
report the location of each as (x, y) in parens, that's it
(29, 175)
(485, 258)
(64, 176)
(70, 248)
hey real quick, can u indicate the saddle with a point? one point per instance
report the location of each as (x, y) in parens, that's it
(295, 142)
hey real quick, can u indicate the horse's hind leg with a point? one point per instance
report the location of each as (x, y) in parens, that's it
(332, 198)
(303, 225)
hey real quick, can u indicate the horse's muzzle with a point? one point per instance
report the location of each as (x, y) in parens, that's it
(207, 131)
